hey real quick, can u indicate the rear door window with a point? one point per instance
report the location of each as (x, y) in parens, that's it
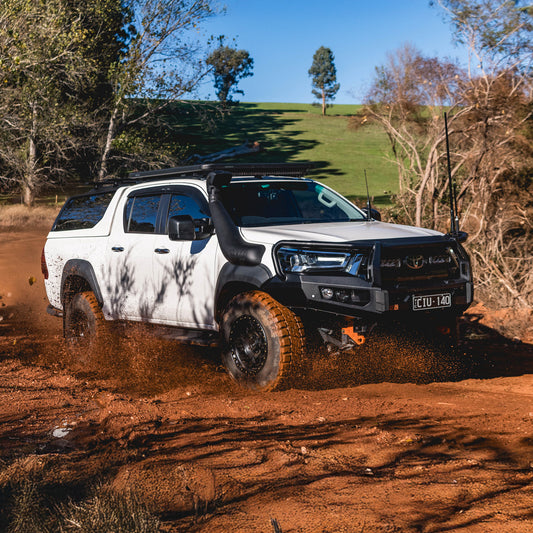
(141, 214)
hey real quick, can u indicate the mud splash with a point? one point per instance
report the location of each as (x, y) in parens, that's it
(135, 361)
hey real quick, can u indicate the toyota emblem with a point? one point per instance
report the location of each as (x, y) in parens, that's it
(415, 262)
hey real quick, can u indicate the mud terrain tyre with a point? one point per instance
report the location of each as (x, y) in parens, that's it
(84, 324)
(264, 341)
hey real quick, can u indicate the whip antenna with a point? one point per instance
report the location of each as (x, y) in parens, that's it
(454, 219)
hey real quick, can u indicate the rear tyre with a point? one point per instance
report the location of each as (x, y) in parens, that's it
(264, 341)
(84, 324)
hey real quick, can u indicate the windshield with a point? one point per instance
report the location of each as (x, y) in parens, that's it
(260, 203)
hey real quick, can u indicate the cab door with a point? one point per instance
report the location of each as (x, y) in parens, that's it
(130, 290)
(186, 270)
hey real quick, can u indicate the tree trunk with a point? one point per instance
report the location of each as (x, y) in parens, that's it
(323, 102)
(420, 201)
(29, 184)
(111, 131)
(28, 194)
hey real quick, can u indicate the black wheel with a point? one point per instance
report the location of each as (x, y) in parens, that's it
(84, 321)
(264, 341)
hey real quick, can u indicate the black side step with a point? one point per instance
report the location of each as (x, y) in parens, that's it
(192, 337)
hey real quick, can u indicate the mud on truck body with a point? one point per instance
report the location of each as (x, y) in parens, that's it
(253, 257)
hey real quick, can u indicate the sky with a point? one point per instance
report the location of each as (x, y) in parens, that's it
(282, 36)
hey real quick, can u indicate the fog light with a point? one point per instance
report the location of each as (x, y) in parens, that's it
(326, 293)
(360, 297)
(342, 296)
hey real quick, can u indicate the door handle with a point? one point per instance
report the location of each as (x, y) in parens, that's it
(117, 248)
(162, 251)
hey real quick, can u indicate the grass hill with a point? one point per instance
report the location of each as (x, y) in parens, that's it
(298, 132)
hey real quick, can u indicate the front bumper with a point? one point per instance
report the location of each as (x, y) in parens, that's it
(353, 298)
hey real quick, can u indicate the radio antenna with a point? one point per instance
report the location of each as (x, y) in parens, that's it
(368, 206)
(454, 218)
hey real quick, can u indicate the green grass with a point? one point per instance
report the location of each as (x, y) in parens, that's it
(298, 132)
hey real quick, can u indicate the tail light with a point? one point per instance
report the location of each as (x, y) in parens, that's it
(44, 267)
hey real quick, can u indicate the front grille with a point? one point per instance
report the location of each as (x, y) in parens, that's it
(402, 265)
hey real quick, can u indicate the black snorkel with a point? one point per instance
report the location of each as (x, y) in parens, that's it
(235, 249)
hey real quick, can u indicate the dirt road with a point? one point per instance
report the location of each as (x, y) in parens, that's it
(396, 439)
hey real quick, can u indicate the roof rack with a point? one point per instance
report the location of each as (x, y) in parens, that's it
(293, 170)
(297, 170)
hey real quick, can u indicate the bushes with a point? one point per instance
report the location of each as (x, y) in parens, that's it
(29, 506)
(106, 511)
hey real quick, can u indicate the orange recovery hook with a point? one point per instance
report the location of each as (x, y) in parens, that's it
(357, 337)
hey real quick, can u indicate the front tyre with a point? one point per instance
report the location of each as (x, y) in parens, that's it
(84, 321)
(264, 341)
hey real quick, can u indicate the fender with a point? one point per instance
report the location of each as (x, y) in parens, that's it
(254, 276)
(81, 269)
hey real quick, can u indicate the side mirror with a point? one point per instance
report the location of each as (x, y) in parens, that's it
(374, 213)
(181, 228)
(204, 228)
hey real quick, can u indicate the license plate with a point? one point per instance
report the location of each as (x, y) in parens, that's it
(432, 301)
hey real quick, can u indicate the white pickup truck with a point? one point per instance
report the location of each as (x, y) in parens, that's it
(255, 257)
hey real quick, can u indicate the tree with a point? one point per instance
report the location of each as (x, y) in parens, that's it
(159, 66)
(324, 76)
(497, 33)
(407, 98)
(229, 66)
(51, 54)
(109, 30)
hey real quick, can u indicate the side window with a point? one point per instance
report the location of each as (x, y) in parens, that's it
(82, 212)
(181, 204)
(141, 214)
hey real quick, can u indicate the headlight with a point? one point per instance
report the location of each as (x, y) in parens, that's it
(295, 260)
(303, 260)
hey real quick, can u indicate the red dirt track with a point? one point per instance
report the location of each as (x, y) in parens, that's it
(398, 438)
